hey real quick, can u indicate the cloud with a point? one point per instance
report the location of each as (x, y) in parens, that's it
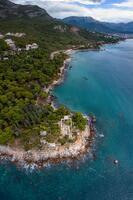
(62, 9)
(125, 4)
(85, 2)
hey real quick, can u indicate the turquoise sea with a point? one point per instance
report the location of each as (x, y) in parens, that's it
(99, 82)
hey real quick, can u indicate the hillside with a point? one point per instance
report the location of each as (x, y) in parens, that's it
(91, 24)
(40, 27)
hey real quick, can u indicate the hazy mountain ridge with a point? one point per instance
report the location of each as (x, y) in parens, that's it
(91, 24)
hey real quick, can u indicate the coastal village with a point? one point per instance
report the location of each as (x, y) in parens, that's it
(13, 49)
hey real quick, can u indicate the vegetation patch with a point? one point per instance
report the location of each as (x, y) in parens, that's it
(79, 121)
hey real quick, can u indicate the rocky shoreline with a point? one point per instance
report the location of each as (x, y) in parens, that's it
(62, 69)
(41, 158)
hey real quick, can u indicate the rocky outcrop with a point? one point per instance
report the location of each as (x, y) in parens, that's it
(9, 9)
(49, 154)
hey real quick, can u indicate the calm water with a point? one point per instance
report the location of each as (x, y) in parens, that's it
(102, 83)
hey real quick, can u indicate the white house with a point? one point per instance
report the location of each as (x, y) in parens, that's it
(19, 34)
(34, 46)
(5, 58)
(31, 46)
(11, 44)
(15, 34)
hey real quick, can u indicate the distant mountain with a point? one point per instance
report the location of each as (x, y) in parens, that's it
(91, 24)
(40, 27)
(120, 27)
(87, 23)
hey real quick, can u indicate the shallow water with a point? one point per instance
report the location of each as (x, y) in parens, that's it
(99, 82)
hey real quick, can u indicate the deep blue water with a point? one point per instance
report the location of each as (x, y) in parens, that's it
(100, 82)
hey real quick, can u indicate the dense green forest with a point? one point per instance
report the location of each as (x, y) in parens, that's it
(24, 75)
(3, 46)
(22, 79)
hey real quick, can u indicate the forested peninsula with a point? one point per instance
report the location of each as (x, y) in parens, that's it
(32, 130)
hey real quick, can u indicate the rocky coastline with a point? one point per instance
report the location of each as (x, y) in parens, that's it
(54, 155)
(66, 62)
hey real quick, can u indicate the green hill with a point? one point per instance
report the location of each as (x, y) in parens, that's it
(40, 27)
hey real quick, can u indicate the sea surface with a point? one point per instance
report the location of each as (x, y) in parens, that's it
(99, 82)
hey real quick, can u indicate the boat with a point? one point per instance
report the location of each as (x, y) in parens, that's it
(116, 162)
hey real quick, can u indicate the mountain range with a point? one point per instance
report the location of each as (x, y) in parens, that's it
(91, 24)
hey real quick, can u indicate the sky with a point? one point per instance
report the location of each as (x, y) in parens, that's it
(103, 10)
